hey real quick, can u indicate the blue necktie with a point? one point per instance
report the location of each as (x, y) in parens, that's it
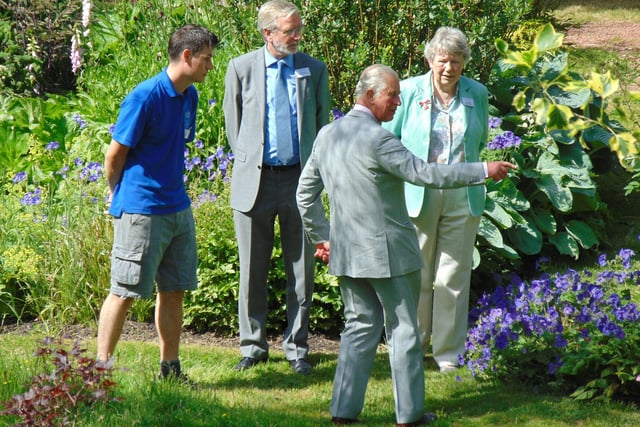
(283, 117)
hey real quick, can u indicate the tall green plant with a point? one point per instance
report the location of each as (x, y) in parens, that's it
(35, 44)
(551, 205)
(362, 32)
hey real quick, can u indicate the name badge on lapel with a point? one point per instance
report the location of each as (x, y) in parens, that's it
(302, 75)
(467, 102)
(302, 72)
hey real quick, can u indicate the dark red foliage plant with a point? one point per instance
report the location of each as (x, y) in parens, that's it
(71, 381)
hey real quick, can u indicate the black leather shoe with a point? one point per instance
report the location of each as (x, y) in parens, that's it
(426, 419)
(300, 366)
(247, 363)
(343, 421)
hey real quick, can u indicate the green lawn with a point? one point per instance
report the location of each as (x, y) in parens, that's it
(272, 395)
(582, 11)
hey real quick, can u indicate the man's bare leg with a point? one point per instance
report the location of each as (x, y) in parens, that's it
(112, 317)
(169, 323)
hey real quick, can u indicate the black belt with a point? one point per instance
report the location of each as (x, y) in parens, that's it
(278, 168)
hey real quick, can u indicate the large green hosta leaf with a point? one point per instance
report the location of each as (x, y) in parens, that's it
(507, 252)
(544, 220)
(526, 238)
(497, 213)
(559, 177)
(490, 232)
(506, 193)
(565, 244)
(558, 195)
(582, 233)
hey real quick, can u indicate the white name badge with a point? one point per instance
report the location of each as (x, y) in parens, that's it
(467, 101)
(302, 72)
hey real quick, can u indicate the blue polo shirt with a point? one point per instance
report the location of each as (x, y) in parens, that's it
(155, 122)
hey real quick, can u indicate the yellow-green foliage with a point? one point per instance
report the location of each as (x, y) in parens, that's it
(22, 263)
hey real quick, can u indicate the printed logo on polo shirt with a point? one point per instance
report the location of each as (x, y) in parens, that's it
(187, 122)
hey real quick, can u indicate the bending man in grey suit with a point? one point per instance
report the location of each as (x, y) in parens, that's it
(270, 144)
(374, 249)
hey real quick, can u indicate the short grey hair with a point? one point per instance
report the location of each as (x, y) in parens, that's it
(448, 40)
(270, 11)
(374, 77)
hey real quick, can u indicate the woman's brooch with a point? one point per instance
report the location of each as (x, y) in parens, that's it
(425, 104)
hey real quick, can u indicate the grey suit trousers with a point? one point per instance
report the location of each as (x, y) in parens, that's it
(256, 236)
(369, 306)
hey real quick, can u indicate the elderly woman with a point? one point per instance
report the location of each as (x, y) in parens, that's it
(444, 119)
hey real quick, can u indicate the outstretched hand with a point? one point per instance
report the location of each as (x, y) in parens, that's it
(498, 170)
(322, 251)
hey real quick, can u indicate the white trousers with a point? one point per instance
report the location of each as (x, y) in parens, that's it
(446, 234)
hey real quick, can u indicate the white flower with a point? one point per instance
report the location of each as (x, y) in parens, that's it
(86, 13)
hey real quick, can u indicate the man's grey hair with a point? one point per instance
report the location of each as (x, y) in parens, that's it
(374, 77)
(270, 11)
(448, 40)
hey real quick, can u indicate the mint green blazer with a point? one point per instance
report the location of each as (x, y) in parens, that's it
(412, 125)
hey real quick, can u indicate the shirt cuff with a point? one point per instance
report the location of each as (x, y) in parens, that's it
(486, 169)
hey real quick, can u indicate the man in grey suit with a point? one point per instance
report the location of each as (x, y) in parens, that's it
(374, 249)
(270, 145)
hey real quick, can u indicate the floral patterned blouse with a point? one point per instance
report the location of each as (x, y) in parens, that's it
(447, 132)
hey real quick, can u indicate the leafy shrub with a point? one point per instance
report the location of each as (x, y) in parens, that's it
(214, 303)
(71, 382)
(213, 306)
(551, 204)
(35, 46)
(52, 218)
(362, 32)
(575, 331)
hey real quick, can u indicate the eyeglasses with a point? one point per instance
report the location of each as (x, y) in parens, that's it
(294, 32)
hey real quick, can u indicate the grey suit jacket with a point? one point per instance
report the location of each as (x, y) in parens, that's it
(363, 168)
(244, 108)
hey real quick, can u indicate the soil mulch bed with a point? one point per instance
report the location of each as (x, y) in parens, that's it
(146, 332)
(622, 37)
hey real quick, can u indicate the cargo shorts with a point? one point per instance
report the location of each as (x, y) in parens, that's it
(150, 249)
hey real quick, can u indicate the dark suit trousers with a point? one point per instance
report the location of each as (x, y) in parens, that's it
(255, 231)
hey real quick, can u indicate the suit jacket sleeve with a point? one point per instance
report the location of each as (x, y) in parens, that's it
(308, 197)
(324, 98)
(398, 160)
(232, 104)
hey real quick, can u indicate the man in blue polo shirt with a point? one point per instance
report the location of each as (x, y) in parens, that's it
(154, 232)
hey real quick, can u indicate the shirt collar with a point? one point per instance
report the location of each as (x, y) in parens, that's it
(166, 82)
(360, 107)
(269, 59)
